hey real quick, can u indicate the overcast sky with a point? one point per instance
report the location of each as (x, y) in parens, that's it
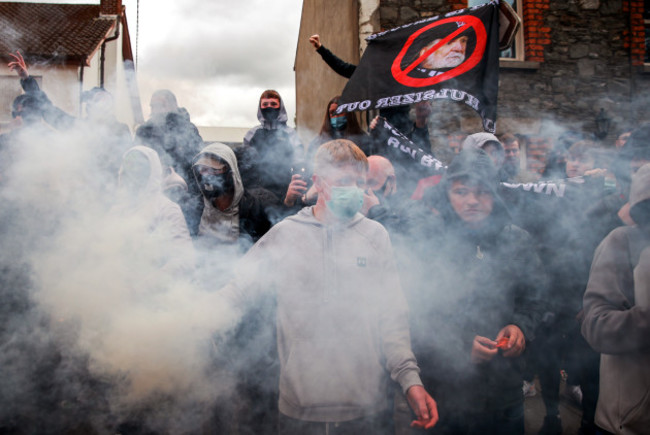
(217, 56)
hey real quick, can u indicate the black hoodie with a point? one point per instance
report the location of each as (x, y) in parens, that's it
(477, 282)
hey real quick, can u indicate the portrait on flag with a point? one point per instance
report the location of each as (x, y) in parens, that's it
(451, 57)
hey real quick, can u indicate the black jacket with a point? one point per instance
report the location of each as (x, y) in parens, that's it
(339, 66)
(475, 282)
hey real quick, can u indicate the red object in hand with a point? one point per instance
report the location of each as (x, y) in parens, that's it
(419, 424)
(502, 342)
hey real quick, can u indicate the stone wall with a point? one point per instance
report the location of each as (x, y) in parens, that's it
(581, 56)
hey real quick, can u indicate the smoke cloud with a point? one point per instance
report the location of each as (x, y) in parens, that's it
(101, 312)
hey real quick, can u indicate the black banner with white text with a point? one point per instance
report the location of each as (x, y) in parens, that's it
(451, 57)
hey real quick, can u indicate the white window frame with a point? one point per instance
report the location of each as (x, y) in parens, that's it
(520, 49)
(520, 52)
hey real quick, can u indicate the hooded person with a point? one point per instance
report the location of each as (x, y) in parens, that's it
(481, 303)
(617, 317)
(170, 132)
(233, 218)
(277, 146)
(635, 153)
(141, 201)
(493, 148)
(230, 212)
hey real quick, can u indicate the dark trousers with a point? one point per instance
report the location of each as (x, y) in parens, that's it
(508, 421)
(548, 356)
(561, 345)
(586, 373)
(375, 424)
(469, 407)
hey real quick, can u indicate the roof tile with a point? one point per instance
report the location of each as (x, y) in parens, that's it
(52, 31)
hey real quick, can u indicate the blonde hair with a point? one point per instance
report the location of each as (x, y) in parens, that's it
(339, 153)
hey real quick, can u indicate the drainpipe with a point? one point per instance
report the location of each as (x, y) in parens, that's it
(102, 56)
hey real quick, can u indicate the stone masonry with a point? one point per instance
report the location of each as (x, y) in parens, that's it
(580, 56)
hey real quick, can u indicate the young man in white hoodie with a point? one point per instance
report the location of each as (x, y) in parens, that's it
(342, 320)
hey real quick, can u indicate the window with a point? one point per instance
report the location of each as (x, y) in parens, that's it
(516, 50)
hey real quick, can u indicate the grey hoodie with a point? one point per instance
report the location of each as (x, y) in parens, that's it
(342, 318)
(279, 124)
(221, 225)
(617, 321)
(161, 218)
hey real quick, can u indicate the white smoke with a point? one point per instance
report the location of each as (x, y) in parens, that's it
(114, 293)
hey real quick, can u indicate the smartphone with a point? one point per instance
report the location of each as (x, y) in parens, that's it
(300, 169)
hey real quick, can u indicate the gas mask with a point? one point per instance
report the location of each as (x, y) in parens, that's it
(215, 185)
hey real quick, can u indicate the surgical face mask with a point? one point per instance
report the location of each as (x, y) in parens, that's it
(214, 185)
(339, 123)
(345, 201)
(270, 113)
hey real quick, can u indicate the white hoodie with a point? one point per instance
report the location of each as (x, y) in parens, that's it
(342, 318)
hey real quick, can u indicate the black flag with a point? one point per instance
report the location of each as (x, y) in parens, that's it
(452, 57)
(392, 138)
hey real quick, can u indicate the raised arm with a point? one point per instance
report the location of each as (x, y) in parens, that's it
(338, 65)
(18, 65)
(52, 114)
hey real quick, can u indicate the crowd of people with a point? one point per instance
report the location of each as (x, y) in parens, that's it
(404, 299)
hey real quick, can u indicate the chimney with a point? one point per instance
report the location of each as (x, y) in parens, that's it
(110, 7)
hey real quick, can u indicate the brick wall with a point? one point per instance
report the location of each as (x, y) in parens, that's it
(455, 4)
(634, 37)
(537, 148)
(537, 35)
(110, 7)
(580, 57)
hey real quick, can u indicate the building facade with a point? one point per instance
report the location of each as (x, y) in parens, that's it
(70, 48)
(573, 62)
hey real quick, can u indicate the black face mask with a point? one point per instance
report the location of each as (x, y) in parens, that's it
(270, 113)
(214, 186)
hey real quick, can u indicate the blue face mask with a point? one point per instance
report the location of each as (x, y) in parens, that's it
(345, 202)
(338, 123)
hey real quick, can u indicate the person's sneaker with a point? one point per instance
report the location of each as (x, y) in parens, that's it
(573, 393)
(552, 425)
(529, 389)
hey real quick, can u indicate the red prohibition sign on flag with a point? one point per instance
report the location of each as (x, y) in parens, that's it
(465, 22)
